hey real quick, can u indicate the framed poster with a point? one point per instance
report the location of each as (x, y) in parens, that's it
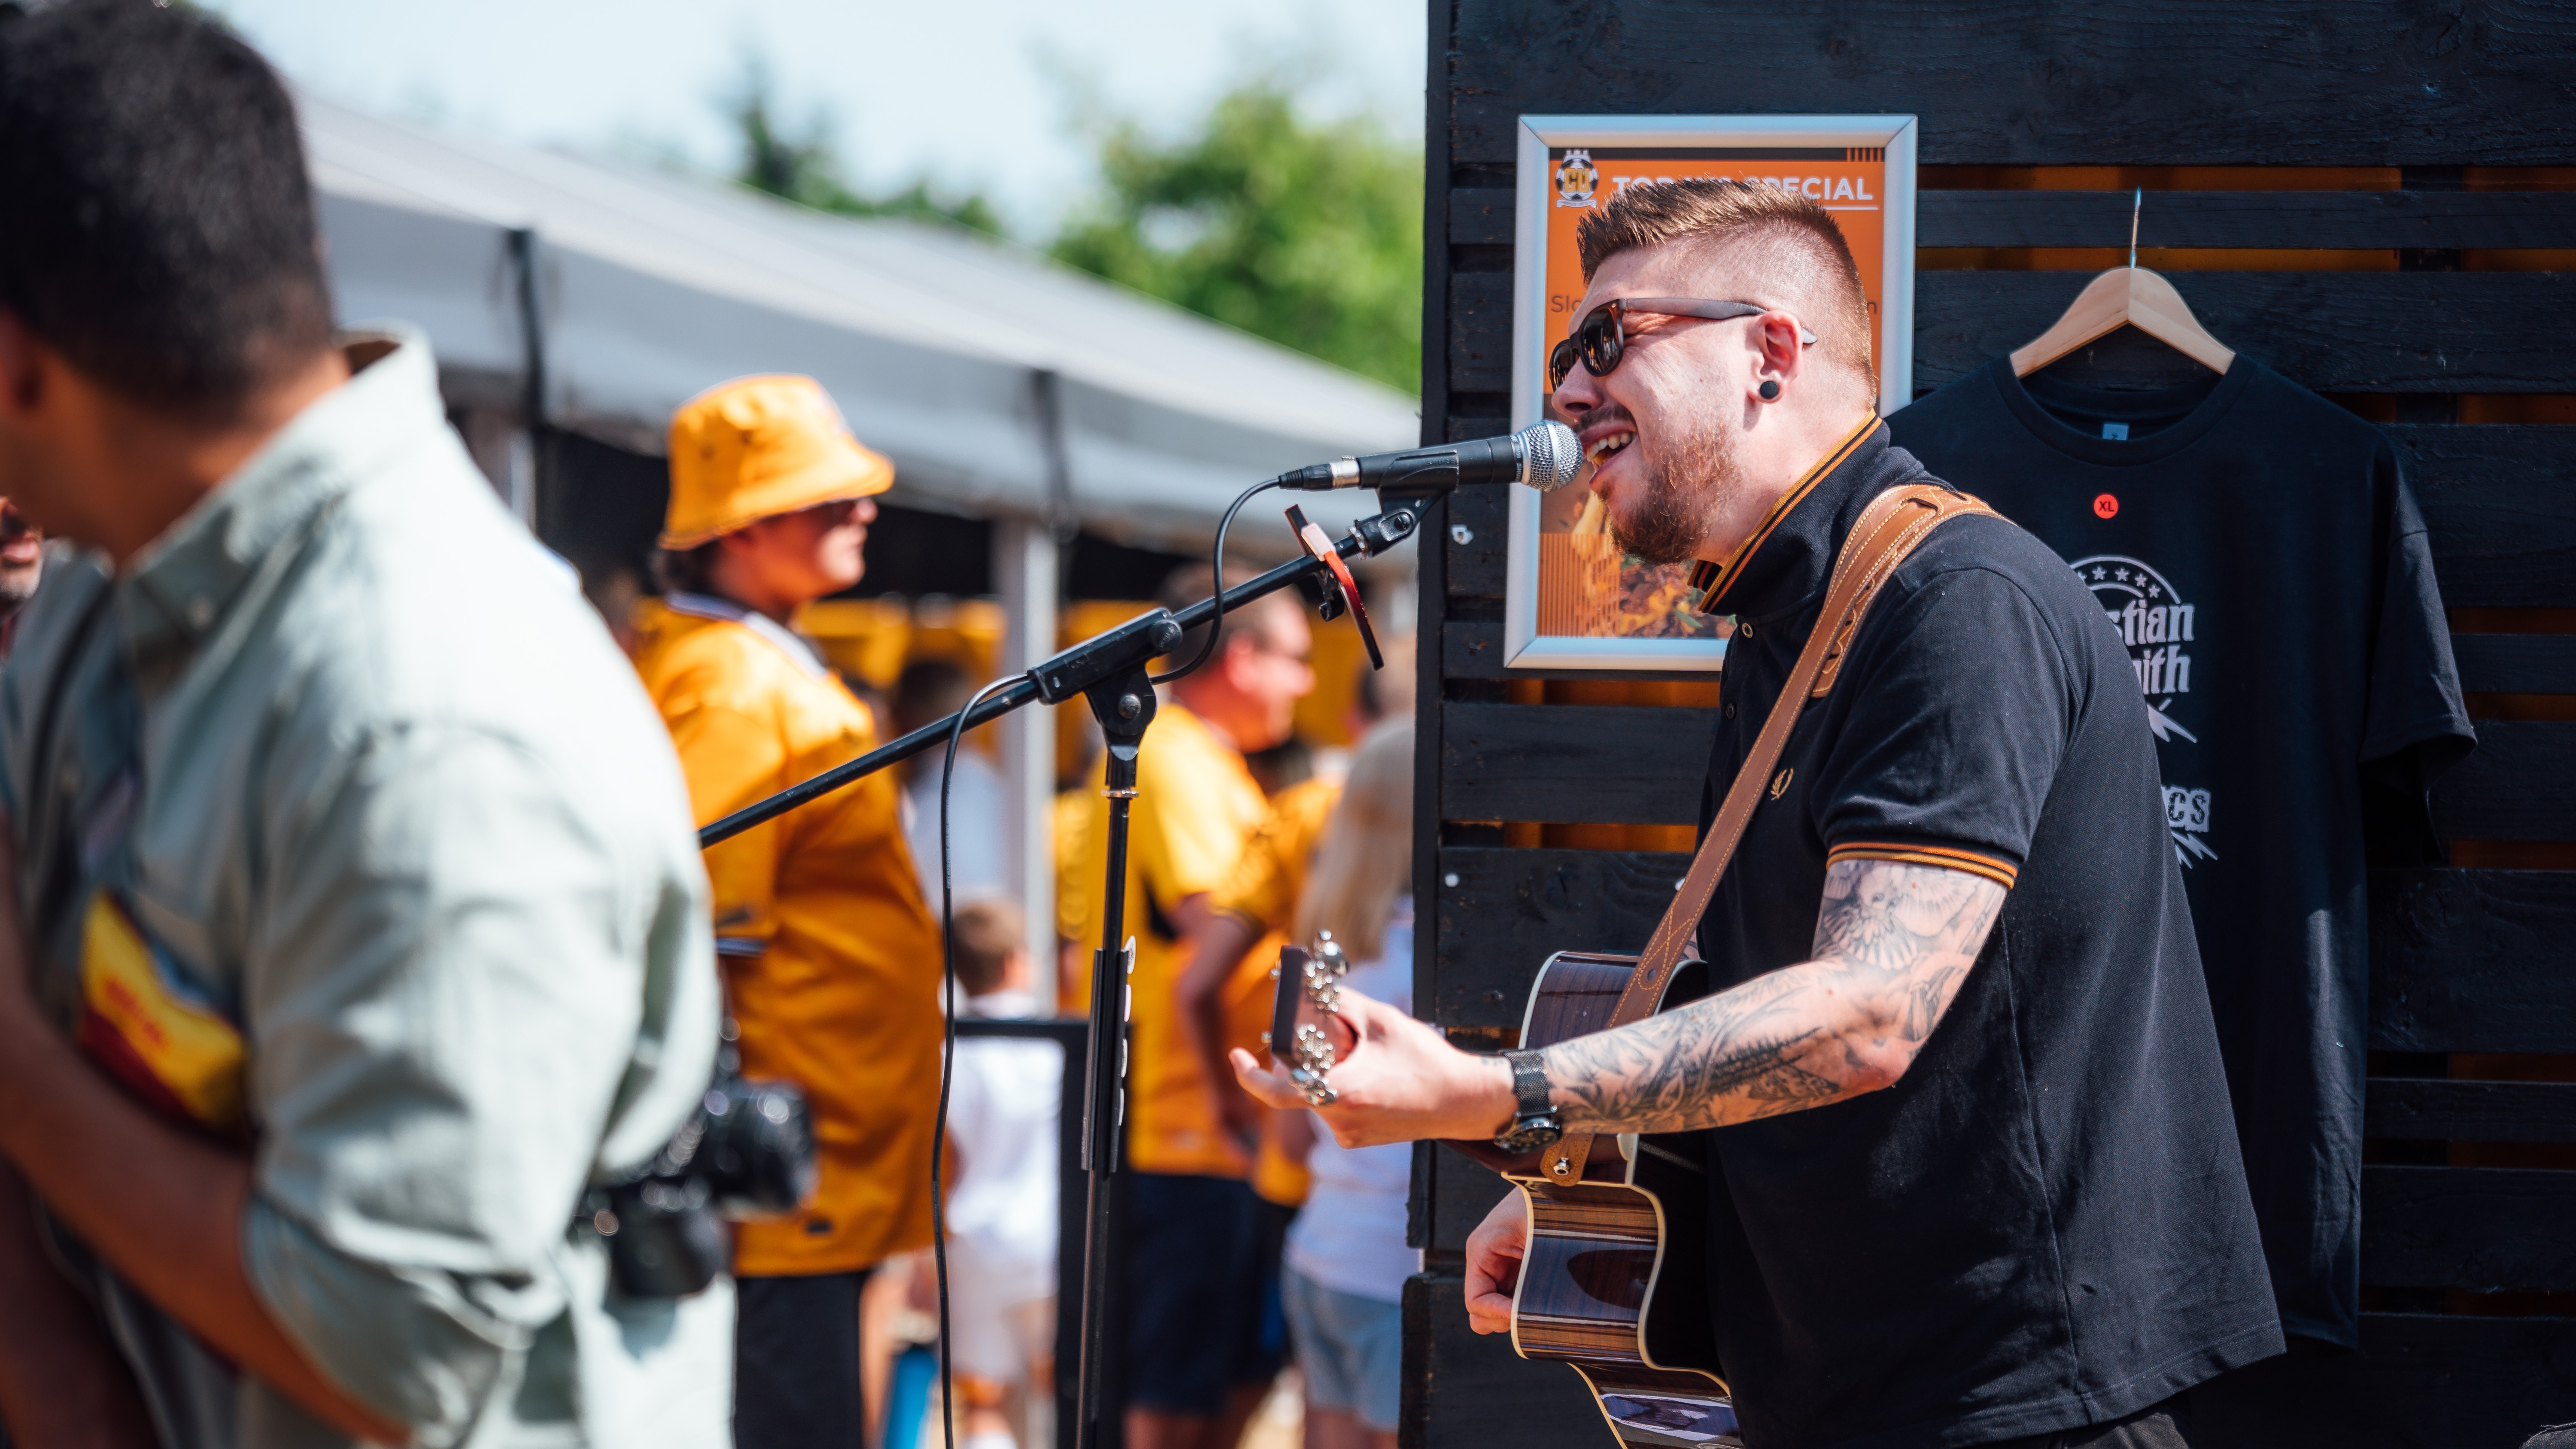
(1572, 600)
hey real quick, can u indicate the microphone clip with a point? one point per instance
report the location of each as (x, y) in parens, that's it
(1341, 591)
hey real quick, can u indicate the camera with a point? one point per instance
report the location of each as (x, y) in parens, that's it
(747, 1152)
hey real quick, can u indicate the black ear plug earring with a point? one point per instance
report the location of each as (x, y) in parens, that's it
(1770, 389)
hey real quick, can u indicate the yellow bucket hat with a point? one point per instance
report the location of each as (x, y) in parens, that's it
(756, 447)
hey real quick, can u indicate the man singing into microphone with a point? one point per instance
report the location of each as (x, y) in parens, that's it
(1976, 1181)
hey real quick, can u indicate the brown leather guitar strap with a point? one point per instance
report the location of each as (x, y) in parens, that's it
(1888, 530)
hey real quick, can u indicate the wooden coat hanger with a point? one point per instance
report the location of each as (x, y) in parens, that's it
(2129, 296)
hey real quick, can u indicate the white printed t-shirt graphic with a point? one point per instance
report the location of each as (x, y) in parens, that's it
(2157, 627)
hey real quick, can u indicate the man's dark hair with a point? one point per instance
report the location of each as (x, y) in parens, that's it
(156, 219)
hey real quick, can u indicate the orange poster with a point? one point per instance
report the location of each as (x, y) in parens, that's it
(1577, 600)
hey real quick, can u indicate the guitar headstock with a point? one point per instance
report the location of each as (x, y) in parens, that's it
(1307, 1033)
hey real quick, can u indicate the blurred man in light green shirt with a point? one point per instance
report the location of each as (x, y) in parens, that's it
(358, 926)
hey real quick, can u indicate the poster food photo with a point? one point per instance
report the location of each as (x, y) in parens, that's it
(1574, 601)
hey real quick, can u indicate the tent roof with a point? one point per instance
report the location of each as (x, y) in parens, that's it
(652, 287)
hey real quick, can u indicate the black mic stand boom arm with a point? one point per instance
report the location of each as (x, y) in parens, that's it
(1077, 670)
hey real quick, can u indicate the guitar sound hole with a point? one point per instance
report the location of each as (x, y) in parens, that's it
(1616, 1276)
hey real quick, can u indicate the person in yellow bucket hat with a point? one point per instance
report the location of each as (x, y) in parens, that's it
(831, 955)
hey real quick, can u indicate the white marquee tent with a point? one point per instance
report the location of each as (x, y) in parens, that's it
(649, 287)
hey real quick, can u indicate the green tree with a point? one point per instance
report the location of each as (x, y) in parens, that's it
(1309, 234)
(805, 169)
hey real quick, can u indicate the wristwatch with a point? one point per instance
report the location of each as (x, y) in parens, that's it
(1534, 1121)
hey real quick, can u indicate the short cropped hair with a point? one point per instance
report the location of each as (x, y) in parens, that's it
(1790, 236)
(988, 929)
(156, 219)
(1190, 583)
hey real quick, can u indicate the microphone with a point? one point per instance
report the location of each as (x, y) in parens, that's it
(1545, 457)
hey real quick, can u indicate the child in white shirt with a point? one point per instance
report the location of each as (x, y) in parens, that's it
(1003, 1114)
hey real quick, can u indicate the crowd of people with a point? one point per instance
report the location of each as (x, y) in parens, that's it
(362, 983)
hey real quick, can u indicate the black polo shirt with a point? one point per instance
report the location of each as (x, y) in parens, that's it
(2045, 1224)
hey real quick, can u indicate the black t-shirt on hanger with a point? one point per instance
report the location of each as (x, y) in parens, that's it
(2258, 551)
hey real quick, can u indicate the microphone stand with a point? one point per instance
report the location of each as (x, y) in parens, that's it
(1110, 672)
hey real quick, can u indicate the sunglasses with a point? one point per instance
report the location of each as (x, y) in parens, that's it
(1599, 341)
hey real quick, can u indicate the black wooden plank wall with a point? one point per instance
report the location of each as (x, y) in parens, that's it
(2474, 966)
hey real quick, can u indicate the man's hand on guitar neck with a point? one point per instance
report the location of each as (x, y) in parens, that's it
(1893, 943)
(1396, 1081)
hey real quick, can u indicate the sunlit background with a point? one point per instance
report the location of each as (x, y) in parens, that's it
(1240, 138)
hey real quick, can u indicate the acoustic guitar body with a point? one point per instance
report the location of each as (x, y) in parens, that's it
(1615, 1281)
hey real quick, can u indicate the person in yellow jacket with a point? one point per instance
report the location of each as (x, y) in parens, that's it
(1204, 1336)
(831, 955)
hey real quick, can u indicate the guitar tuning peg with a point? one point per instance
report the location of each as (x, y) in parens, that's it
(1329, 954)
(1323, 986)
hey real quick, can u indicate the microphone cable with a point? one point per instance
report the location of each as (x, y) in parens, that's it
(948, 1066)
(1216, 623)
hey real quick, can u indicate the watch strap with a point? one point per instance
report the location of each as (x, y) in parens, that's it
(1529, 1084)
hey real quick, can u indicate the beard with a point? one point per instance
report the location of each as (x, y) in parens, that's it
(1682, 482)
(18, 584)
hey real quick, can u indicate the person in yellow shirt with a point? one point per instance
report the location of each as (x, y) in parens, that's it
(1203, 1337)
(1235, 945)
(1228, 975)
(1074, 936)
(831, 955)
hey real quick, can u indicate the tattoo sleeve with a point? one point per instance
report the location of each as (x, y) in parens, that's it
(1893, 943)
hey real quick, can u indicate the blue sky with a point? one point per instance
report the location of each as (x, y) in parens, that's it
(977, 94)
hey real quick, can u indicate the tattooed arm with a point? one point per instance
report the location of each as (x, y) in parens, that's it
(1893, 942)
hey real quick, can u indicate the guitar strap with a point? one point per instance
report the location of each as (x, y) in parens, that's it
(1889, 529)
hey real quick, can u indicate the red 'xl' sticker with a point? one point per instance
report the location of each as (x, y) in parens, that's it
(2106, 506)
